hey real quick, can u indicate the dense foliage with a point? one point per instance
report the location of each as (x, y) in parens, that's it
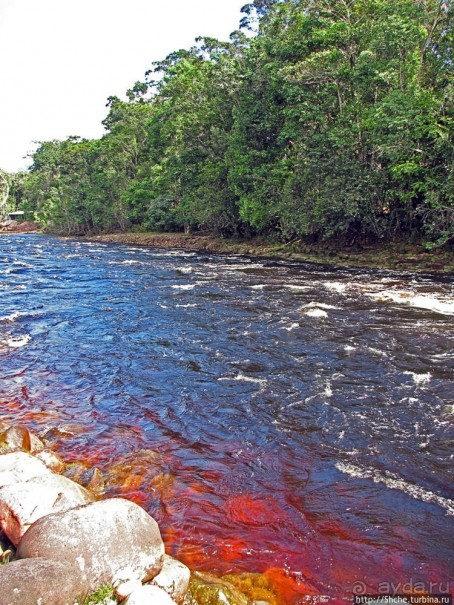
(318, 119)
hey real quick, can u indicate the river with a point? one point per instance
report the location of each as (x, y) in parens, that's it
(287, 418)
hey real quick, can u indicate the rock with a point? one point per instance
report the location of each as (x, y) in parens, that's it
(51, 460)
(149, 595)
(206, 589)
(16, 467)
(36, 445)
(63, 431)
(19, 438)
(112, 541)
(16, 438)
(33, 581)
(141, 472)
(256, 586)
(21, 504)
(88, 476)
(173, 578)
(124, 590)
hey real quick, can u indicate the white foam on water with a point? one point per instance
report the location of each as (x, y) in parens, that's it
(185, 270)
(296, 288)
(377, 351)
(12, 317)
(291, 327)
(448, 355)
(420, 378)
(258, 287)
(183, 287)
(18, 341)
(349, 348)
(243, 378)
(240, 266)
(328, 390)
(319, 305)
(132, 262)
(419, 301)
(169, 253)
(186, 306)
(394, 482)
(316, 313)
(335, 286)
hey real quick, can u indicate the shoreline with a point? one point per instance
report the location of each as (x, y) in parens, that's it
(396, 257)
(392, 256)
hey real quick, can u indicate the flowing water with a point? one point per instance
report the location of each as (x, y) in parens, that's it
(286, 418)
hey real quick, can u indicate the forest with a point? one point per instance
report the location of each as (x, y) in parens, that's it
(319, 120)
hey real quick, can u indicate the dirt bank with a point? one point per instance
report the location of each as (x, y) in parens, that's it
(395, 256)
(15, 227)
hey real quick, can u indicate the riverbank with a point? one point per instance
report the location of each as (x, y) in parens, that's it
(8, 227)
(396, 256)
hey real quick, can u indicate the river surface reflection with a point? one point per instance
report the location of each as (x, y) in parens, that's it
(279, 417)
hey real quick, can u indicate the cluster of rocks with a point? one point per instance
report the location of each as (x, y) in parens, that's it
(59, 543)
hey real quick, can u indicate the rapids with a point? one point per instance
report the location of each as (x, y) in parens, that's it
(288, 418)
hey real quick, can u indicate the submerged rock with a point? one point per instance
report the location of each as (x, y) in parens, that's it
(256, 586)
(143, 472)
(206, 589)
(32, 581)
(111, 542)
(88, 476)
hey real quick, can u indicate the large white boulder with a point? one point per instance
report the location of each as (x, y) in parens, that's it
(16, 467)
(111, 541)
(21, 504)
(29, 490)
(33, 581)
(173, 578)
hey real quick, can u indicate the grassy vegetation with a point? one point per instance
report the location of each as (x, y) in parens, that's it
(105, 594)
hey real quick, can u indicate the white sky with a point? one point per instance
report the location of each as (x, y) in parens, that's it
(61, 59)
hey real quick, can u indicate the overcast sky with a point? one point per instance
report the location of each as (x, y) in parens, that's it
(61, 59)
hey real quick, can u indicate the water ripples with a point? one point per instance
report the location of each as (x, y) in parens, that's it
(289, 404)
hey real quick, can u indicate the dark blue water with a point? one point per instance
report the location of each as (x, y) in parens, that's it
(271, 415)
